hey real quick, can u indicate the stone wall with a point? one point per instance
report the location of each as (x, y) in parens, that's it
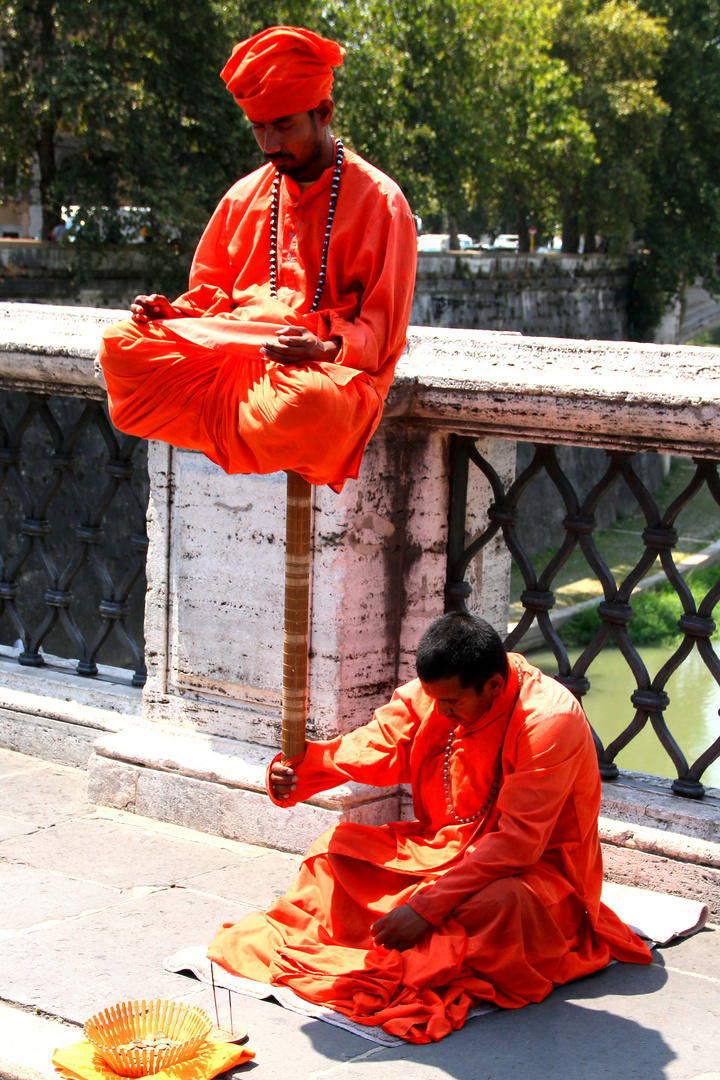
(548, 295)
(57, 273)
(208, 720)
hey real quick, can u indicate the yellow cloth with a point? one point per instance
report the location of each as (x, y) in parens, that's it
(81, 1061)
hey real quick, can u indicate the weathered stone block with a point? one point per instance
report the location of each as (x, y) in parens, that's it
(240, 814)
(648, 800)
(646, 871)
(112, 783)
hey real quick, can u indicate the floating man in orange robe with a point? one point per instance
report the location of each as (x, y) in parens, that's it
(490, 894)
(281, 352)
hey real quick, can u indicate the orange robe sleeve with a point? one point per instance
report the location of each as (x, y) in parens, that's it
(551, 751)
(376, 754)
(212, 276)
(378, 331)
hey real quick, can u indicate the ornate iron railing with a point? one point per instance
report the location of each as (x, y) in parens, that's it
(659, 536)
(73, 492)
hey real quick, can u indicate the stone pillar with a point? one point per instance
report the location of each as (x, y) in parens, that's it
(211, 706)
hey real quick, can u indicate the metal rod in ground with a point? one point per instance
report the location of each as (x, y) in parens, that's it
(297, 614)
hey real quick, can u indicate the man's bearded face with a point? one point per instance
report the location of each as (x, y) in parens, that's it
(293, 144)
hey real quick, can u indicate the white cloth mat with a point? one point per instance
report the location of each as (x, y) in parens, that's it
(656, 917)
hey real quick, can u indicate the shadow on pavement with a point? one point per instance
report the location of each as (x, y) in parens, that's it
(557, 1038)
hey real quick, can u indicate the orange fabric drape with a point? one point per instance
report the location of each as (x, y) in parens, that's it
(200, 382)
(514, 898)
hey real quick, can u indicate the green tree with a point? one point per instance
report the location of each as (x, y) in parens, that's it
(538, 125)
(407, 92)
(613, 50)
(120, 104)
(681, 228)
(459, 100)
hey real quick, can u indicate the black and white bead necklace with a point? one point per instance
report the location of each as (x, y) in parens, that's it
(498, 771)
(274, 213)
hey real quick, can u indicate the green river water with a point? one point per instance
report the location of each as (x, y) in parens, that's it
(692, 715)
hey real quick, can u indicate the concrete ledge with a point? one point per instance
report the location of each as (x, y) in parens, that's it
(671, 845)
(620, 395)
(53, 729)
(51, 349)
(646, 871)
(209, 806)
(639, 799)
(218, 760)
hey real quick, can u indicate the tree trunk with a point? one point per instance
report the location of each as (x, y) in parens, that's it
(590, 244)
(571, 224)
(521, 220)
(453, 230)
(51, 215)
(51, 211)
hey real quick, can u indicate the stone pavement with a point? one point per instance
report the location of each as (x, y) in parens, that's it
(94, 899)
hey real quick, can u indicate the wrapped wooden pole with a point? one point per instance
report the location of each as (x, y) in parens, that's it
(297, 614)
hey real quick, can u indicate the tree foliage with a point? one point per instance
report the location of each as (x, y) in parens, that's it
(681, 227)
(120, 105)
(614, 51)
(602, 115)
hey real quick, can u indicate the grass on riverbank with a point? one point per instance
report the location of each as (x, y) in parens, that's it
(657, 611)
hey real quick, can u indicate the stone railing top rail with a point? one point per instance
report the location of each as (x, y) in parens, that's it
(617, 395)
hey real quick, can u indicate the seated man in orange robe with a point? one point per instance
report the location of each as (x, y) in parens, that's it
(280, 354)
(490, 894)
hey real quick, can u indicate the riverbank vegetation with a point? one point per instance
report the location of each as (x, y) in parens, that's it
(656, 613)
(599, 116)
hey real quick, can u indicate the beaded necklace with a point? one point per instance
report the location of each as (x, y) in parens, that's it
(274, 212)
(498, 771)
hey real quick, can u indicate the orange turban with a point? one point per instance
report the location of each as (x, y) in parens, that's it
(281, 71)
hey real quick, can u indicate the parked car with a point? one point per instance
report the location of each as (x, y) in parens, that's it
(441, 242)
(434, 242)
(507, 242)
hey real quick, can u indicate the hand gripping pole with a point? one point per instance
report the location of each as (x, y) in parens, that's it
(297, 614)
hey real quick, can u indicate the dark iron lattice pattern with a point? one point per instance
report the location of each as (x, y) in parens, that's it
(650, 698)
(72, 540)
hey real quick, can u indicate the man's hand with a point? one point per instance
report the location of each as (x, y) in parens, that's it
(282, 780)
(295, 345)
(400, 929)
(147, 308)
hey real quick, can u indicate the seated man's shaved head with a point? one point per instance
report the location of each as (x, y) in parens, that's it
(461, 645)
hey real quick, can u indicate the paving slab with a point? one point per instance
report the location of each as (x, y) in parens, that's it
(256, 883)
(287, 1045)
(12, 827)
(31, 1039)
(122, 856)
(29, 897)
(153, 888)
(81, 965)
(12, 762)
(43, 796)
(698, 955)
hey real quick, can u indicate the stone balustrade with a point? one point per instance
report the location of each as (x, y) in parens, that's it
(193, 747)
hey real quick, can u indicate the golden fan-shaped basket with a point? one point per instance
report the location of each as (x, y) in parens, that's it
(185, 1026)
